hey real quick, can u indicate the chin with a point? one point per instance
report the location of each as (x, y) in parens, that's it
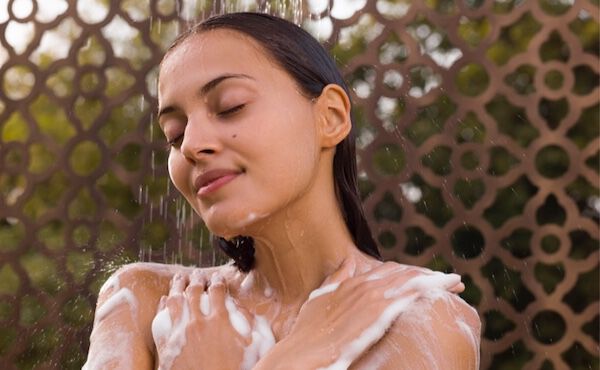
(231, 223)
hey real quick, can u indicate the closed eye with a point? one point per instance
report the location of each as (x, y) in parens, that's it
(231, 111)
(175, 142)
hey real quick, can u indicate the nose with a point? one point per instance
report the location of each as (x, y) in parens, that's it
(200, 141)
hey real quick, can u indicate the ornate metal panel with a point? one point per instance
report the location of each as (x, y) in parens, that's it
(479, 153)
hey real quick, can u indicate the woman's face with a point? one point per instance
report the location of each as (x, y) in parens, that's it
(244, 138)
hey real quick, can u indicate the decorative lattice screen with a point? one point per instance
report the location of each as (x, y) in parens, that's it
(479, 151)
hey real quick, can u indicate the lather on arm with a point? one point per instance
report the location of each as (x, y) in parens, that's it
(440, 332)
(349, 327)
(121, 337)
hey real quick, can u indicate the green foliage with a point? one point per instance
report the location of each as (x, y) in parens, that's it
(52, 120)
(9, 281)
(513, 39)
(15, 129)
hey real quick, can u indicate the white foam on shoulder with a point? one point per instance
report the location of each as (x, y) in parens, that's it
(112, 283)
(262, 341)
(268, 291)
(247, 283)
(471, 336)
(370, 335)
(205, 304)
(162, 327)
(376, 276)
(322, 290)
(236, 318)
(109, 359)
(426, 284)
(123, 296)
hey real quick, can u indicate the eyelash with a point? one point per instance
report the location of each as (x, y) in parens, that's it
(172, 143)
(231, 111)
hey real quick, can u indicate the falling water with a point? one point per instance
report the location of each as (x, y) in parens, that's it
(170, 209)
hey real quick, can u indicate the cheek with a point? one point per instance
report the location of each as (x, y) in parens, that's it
(291, 158)
(177, 171)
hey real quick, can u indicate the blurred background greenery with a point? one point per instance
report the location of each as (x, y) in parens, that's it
(478, 132)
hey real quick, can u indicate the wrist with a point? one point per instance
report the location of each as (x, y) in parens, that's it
(290, 354)
(283, 356)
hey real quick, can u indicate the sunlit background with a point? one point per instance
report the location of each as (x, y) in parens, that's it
(478, 136)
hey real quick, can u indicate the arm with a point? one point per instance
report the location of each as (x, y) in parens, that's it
(121, 338)
(443, 332)
(338, 328)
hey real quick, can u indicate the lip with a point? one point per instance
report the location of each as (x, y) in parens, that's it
(212, 180)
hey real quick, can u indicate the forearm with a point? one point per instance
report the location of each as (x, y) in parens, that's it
(288, 355)
(116, 347)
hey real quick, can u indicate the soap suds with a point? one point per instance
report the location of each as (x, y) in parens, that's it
(426, 287)
(370, 335)
(109, 359)
(237, 319)
(247, 283)
(205, 304)
(112, 283)
(381, 275)
(162, 327)
(322, 290)
(123, 296)
(426, 283)
(468, 332)
(262, 341)
(268, 292)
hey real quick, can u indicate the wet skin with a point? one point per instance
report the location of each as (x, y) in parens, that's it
(253, 156)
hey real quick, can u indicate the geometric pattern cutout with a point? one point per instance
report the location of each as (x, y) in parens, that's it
(478, 140)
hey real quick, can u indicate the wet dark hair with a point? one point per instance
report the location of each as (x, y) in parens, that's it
(310, 65)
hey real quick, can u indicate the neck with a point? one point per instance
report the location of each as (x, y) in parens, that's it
(297, 249)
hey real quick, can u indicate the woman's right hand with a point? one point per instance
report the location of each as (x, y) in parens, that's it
(352, 311)
(199, 326)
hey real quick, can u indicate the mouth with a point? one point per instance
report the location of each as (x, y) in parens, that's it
(213, 180)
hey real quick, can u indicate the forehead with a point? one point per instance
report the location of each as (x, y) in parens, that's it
(216, 51)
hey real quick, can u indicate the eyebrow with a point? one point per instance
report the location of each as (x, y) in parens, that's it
(207, 87)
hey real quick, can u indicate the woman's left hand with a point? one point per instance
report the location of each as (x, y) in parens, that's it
(199, 326)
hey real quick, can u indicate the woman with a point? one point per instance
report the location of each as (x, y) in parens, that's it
(258, 119)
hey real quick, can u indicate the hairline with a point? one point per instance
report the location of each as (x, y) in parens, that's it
(263, 51)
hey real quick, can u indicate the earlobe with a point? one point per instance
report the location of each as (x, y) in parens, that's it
(334, 115)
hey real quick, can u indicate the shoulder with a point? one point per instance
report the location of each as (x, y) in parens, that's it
(437, 329)
(127, 304)
(444, 329)
(148, 282)
(132, 293)
(139, 277)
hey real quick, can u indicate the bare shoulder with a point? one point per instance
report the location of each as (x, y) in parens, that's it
(141, 277)
(127, 304)
(439, 330)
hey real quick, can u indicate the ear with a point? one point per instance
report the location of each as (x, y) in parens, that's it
(333, 109)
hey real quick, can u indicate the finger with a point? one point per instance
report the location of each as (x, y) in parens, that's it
(332, 282)
(237, 319)
(217, 291)
(161, 326)
(161, 303)
(178, 284)
(345, 271)
(204, 304)
(425, 284)
(386, 269)
(458, 288)
(198, 277)
(195, 290)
